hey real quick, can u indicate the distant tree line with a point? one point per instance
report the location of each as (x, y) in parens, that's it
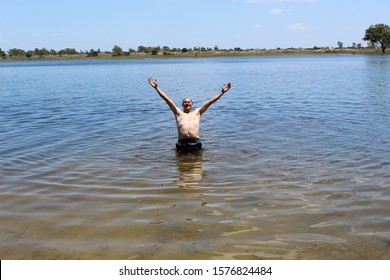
(37, 52)
(377, 36)
(116, 51)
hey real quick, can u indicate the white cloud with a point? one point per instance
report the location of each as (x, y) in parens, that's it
(297, 27)
(275, 11)
(37, 35)
(257, 26)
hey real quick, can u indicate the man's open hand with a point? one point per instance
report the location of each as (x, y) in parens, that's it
(153, 82)
(226, 87)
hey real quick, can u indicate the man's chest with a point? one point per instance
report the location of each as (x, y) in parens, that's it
(191, 117)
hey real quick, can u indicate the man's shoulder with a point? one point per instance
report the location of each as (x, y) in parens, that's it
(196, 111)
(179, 111)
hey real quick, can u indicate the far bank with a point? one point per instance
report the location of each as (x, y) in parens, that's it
(192, 54)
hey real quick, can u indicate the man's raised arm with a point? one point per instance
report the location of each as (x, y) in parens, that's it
(213, 99)
(163, 95)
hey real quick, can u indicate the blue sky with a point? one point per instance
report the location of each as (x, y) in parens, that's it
(93, 24)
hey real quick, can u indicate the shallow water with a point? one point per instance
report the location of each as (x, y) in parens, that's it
(295, 165)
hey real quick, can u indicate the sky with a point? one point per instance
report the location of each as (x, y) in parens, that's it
(247, 24)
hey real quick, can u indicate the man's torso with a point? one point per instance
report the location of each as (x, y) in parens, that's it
(188, 125)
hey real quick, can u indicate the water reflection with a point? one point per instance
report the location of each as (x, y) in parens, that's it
(377, 73)
(190, 170)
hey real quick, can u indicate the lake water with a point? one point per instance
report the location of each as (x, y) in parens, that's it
(296, 159)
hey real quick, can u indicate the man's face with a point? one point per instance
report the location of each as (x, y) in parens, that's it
(187, 105)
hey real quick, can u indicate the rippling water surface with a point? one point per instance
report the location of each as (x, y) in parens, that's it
(296, 160)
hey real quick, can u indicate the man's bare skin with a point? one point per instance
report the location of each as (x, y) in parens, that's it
(188, 121)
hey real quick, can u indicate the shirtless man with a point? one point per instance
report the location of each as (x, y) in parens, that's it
(188, 121)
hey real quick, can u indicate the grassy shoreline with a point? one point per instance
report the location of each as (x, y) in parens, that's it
(199, 54)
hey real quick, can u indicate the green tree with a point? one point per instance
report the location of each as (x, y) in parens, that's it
(142, 49)
(2, 53)
(29, 53)
(41, 52)
(378, 34)
(340, 44)
(117, 50)
(67, 51)
(92, 53)
(155, 51)
(16, 52)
